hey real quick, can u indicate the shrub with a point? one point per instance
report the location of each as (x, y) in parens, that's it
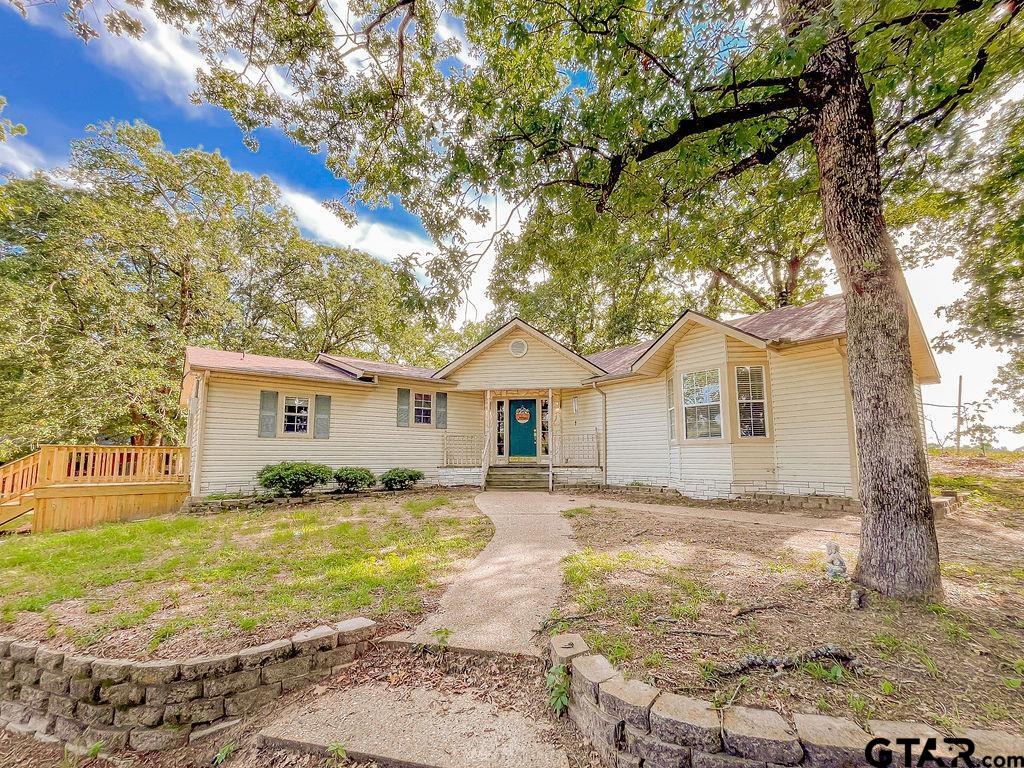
(400, 478)
(294, 477)
(354, 478)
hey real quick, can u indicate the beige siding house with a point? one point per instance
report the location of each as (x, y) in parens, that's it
(713, 409)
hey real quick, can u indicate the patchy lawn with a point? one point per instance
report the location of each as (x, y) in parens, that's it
(189, 585)
(657, 595)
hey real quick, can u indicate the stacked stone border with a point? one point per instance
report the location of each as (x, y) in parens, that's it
(943, 504)
(635, 725)
(152, 705)
(200, 505)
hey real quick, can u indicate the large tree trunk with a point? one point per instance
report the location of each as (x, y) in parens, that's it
(898, 549)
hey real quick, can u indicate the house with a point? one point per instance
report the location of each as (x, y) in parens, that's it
(712, 408)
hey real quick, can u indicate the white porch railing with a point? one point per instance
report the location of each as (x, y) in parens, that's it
(463, 450)
(580, 449)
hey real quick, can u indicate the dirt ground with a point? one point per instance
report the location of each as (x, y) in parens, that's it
(504, 682)
(658, 595)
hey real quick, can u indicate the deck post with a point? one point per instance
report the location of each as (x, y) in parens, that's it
(551, 441)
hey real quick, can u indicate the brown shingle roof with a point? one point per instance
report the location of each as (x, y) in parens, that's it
(377, 366)
(815, 320)
(618, 359)
(244, 362)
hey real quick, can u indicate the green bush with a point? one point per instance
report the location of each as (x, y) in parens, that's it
(294, 477)
(354, 478)
(400, 478)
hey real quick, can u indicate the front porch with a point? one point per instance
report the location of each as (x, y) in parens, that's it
(528, 429)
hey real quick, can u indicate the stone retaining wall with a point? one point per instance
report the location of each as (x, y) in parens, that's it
(944, 504)
(635, 725)
(153, 705)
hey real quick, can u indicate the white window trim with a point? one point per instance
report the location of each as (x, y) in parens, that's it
(721, 412)
(764, 402)
(283, 398)
(412, 408)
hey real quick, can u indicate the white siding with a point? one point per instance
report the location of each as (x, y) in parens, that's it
(705, 465)
(363, 431)
(542, 366)
(637, 433)
(812, 432)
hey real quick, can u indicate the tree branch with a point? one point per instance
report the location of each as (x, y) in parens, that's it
(769, 152)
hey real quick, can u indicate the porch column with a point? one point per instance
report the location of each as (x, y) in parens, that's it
(551, 441)
(485, 453)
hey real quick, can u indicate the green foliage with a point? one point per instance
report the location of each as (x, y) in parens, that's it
(557, 683)
(110, 268)
(7, 127)
(223, 754)
(350, 479)
(400, 478)
(294, 477)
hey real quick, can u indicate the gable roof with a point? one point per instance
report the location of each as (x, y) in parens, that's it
(517, 324)
(618, 359)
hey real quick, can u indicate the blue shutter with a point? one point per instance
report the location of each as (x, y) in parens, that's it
(268, 414)
(322, 417)
(441, 410)
(402, 417)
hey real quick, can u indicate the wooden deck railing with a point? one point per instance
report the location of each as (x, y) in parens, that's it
(67, 464)
(19, 477)
(72, 486)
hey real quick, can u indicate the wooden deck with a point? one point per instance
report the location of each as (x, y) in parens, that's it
(74, 486)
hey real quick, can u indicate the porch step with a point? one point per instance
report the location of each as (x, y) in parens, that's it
(17, 507)
(517, 478)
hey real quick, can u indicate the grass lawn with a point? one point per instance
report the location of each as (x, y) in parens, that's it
(191, 585)
(657, 595)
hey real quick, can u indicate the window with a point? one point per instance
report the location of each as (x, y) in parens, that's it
(296, 416)
(670, 399)
(422, 408)
(501, 427)
(702, 404)
(750, 397)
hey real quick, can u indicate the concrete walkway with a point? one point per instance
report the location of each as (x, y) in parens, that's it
(497, 604)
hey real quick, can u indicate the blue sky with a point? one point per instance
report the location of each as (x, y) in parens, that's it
(56, 85)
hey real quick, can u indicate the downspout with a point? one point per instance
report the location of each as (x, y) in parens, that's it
(197, 434)
(604, 431)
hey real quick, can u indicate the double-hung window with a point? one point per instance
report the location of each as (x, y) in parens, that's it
(670, 400)
(751, 401)
(296, 416)
(702, 404)
(422, 408)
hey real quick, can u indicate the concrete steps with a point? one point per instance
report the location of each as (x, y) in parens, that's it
(396, 727)
(517, 478)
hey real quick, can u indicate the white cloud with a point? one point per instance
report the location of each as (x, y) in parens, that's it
(18, 156)
(377, 239)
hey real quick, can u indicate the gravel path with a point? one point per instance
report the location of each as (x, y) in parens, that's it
(497, 604)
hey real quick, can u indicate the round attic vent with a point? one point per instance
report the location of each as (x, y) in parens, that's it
(517, 348)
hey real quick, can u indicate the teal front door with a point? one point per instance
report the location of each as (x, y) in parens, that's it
(522, 432)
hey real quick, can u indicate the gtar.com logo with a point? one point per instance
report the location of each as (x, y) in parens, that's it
(914, 752)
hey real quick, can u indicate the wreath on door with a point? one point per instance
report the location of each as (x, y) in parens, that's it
(522, 414)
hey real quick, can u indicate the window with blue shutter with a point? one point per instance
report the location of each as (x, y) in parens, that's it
(441, 410)
(322, 417)
(402, 415)
(268, 414)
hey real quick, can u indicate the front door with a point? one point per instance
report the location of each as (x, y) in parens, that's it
(522, 432)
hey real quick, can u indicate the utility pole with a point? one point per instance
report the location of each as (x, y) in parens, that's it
(959, 409)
